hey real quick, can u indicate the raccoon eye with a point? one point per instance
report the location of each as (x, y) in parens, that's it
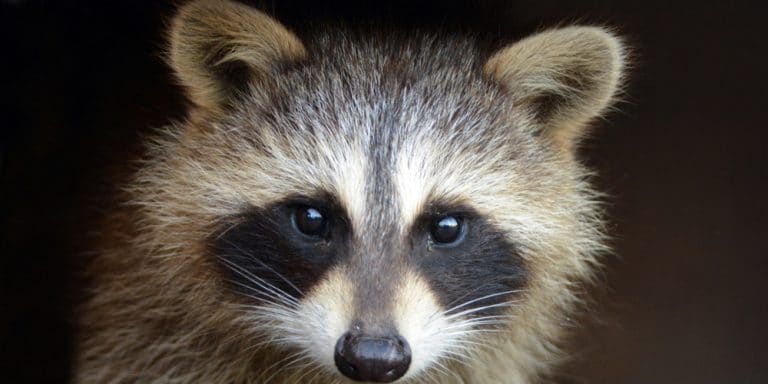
(310, 221)
(447, 230)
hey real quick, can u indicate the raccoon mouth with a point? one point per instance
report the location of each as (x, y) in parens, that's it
(372, 359)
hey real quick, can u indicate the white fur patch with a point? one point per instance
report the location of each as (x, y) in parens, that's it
(323, 317)
(420, 321)
(351, 182)
(413, 181)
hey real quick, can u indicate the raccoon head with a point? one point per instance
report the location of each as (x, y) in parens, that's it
(382, 207)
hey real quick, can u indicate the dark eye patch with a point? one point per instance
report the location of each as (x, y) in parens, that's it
(263, 255)
(484, 269)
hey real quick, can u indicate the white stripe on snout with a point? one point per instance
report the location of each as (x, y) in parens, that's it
(325, 315)
(419, 320)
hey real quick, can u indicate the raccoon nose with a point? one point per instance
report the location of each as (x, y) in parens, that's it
(372, 359)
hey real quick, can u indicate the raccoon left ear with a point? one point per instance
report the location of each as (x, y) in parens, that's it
(563, 77)
(219, 46)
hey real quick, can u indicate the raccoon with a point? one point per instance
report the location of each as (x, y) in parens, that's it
(353, 208)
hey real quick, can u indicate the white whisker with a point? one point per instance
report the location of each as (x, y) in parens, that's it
(259, 281)
(449, 310)
(252, 257)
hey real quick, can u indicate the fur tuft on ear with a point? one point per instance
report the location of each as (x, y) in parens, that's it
(562, 77)
(218, 47)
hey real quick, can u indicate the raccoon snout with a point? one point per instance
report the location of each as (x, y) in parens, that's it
(372, 359)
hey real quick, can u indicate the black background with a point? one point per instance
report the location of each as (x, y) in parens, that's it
(684, 162)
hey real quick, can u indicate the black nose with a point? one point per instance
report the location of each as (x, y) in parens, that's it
(373, 359)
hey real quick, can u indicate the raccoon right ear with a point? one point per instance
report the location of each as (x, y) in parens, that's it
(219, 47)
(562, 77)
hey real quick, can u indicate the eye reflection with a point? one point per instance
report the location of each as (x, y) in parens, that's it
(447, 230)
(310, 221)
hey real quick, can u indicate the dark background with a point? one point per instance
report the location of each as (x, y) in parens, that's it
(684, 162)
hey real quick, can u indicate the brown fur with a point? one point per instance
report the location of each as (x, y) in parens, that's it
(159, 310)
(565, 76)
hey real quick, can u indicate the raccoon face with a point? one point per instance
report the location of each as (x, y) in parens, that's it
(375, 300)
(382, 208)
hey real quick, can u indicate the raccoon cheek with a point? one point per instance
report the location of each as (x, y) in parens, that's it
(417, 314)
(324, 315)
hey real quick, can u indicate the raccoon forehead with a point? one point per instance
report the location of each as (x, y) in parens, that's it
(494, 176)
(390, 60)
(414, 166)
(395, 85)
(463, 156)
(417, 112)
(278, 168)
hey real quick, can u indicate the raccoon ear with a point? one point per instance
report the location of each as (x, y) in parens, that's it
(218, 47)
(563, 77)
